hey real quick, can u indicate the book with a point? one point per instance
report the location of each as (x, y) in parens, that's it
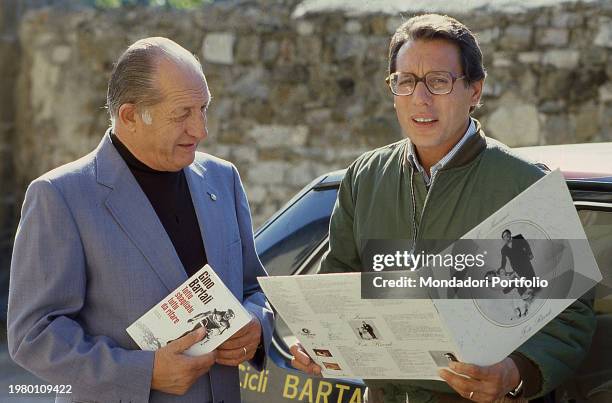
(201, 301)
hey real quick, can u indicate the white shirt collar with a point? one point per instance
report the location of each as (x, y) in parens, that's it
(412, 157)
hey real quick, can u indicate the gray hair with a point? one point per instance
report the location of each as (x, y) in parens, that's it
(133, 79)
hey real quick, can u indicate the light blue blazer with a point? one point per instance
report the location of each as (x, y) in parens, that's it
(91, 256)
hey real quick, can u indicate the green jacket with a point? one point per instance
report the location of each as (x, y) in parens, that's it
(375, 201)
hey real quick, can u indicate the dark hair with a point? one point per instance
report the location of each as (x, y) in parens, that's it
(436, 26)
(508, 231)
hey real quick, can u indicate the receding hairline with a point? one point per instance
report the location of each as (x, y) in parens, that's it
(164, 47)
(163, 50)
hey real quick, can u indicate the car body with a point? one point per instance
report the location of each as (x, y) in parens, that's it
(293, 241)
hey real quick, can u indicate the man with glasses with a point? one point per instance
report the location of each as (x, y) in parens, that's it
(436, 185)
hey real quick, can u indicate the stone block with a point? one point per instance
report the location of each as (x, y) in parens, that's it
(61, 54)
(252, 85)
(530, 57)
(286, 52)
(271, 136)
(247, 49)
(393, 24)
(557, 129)
(378, 26)
(352, 27)
(515, 122)
(605, 92)
(270, 51)
(516, 37)
(268, 172)
(562, 58)
(605, 119)
(552, 37)
(503, 60)
(256, 194)
(316, 116)
(246, 153)
(586, 122)
(488, 35)
(492, 88)
(555, 84)
(309, 50)
(604, 33)
(304, 28)
(300, 174)
(348, 46)
(553, 106)
(566, 19)
(218, 47)
(542, 20)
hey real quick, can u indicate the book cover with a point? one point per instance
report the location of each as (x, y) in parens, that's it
(201, 301)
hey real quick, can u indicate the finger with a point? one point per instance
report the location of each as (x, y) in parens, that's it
(249, 338)
(250, 327)
(463, 386)
(235, 357)
(300, 355)
(238, 353)
(202, 363)
(187, 341)
(312, 368)
(471, 370)
(471, 389)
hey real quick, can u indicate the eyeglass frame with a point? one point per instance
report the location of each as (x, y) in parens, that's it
(423, 80)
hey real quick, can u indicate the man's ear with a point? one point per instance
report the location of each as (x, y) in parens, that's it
(476, 88)
(127, 116)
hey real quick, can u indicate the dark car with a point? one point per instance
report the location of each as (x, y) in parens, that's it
(293, 241)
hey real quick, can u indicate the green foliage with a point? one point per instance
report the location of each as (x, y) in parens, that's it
(179, 4)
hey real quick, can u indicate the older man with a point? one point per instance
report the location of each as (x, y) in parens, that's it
(104, 238)
(437, 185)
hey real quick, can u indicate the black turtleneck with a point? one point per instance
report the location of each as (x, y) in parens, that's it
(169, 195)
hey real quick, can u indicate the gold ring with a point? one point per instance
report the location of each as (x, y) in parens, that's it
(245, 353)
(471, 394)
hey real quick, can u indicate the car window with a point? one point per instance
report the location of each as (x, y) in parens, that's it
(598, 228)
(290, 239)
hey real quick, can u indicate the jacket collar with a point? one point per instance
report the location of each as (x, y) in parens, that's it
(473, 146)
(133, 212)
(471, 149)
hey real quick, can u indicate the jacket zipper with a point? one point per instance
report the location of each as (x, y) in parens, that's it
(433, 179)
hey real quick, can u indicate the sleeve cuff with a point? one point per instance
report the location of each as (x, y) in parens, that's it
(529, 373)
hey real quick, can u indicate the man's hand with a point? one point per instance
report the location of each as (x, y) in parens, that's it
(487, 383)
(241, 346)
(302, 361)
(175, 372)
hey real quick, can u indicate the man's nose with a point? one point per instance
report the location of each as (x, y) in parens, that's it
(197, 126)
(421, 95)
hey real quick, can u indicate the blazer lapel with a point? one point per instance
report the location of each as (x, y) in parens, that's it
(210, 205)
(132, 210)
(208, 202)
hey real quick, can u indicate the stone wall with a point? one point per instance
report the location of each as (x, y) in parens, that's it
(10, 55)
(300, 91)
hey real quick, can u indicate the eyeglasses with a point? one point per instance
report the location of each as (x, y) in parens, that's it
(436, 82)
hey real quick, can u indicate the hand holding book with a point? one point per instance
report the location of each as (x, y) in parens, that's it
(175, 372)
